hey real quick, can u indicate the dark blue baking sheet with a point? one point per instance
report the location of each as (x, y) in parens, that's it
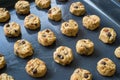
(108, 10)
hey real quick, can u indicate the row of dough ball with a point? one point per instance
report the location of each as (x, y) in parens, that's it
(63, 55)
(54, 13)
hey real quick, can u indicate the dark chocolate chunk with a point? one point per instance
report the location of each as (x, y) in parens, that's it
(34, 71)
(86, 75)
(7, 25)
(60, 56)
(15, 31)
(23, 42)
(49, 12)
(104, 63)
(75, 6)
(47, 30)
(109, 34)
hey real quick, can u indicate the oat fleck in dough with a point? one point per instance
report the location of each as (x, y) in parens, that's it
(43, 3)
(12, 29)
(84, 47)
(22, 7)
(63, 55)
(81, 74)
(5, 76)
(117, 52)
(46, 37)
(32, 22)
(36, 68)
(77, 8)
(23, 48)
(107, 35)
(69, 28)
(55, 14)
(2, 61)
(91, 22)
(4, 15)
(106, 67)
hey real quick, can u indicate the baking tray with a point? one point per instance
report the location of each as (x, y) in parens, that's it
(16, 66)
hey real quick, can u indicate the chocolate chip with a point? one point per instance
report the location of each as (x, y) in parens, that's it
(7, 25)
(66, 24)
(36, 24)
(86, 75)
(34, 71)
(16, 52)
(1, 55)
(47, 30)
(109, 34)
(60, 56)
(62, 0)
(104, 63)
(15, 31)
(23, 42)
(49, 12)
(75, 6)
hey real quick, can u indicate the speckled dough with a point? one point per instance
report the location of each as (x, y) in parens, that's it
(46, 37)
(91, 22)
(55, 14)
(5, 76)
(63, 55)
(69, 28)
(106, 67)
(43, 3)
(36, 68)
(81, 74)
(22, 7)
(32, 22)
(77, 8)
(84, 47)
(12, 29)
(4, 15)
(107, 35)
(23, 48)
(117, 52)
(2, 61)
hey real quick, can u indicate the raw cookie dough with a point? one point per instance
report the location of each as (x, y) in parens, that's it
(46, 37)
(32, 22)
(77, 8)
(2, 61)
(107, 35)
(81, 74)
(22, 7)
(85, 47)
(91, 22)
(36, 68)
(55, 14)
(69, 28)
(106, 67)
(43, 3)
(5, 76)
(23, 48)
(117, 52)
(4, 15)
(63, 55)
(12, 29)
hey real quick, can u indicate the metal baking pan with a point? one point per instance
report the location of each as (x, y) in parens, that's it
(108, 11)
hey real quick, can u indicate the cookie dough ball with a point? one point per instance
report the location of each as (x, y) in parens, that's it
(12, 29)
(46, 37)
(85, 47)
(107, 35)
(22, 7)
(81, 74)
(77, 8)
(63, 55)
(117, 52)
(32, 22)
(91, 22)
(106, 67)
(55, 14)
(69, 28)
(43, 3)
(5, 76)
(23, 48)
(2, 61)
(4, 15)
(36, 68)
